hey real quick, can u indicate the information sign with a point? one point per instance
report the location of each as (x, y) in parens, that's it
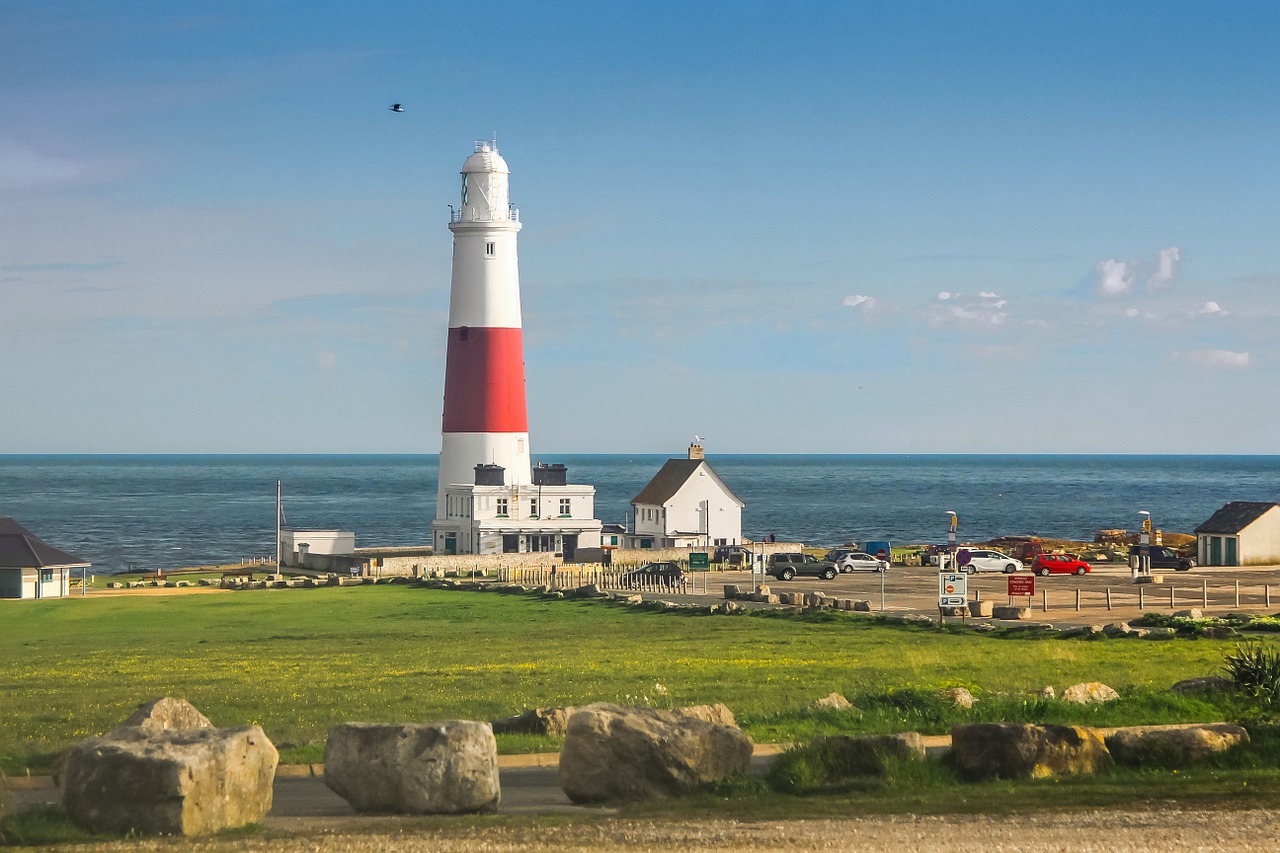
(699, 560)
(953, 589)
(1022, 586)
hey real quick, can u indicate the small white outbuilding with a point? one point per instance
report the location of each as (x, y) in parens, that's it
(30, 568)
(1242, 533)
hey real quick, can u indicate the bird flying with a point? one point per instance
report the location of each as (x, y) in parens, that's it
(396, 108)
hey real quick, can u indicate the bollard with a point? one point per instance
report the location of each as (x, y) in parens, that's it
(1141, 597)
(1237, 595)
(1077, 600)
(1044, 600)
(1172, 605)
(1108, 598)
(1204, 594)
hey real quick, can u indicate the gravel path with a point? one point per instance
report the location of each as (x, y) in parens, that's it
(1165, 829)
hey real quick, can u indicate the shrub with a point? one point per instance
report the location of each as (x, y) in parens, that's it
(1256, 669)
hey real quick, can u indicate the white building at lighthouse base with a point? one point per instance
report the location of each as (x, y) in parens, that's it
(489, 516)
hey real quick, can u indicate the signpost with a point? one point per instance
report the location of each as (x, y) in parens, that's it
(953, 590)
(1022, 586)
(699, 560)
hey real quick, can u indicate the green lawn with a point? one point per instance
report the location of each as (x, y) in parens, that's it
(297, 661)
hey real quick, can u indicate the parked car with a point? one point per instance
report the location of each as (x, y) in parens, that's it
(786, 566)
(653, 574)
(858, 561)
(1059, 564)
(1162, 557)
(986, 560)
(932, 555)
(1027, 552)
(733, 555)
(834, 555)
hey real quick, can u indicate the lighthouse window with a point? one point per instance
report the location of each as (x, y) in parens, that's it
(502, 507)
(490, 249)
(564, 506)
(533, 507)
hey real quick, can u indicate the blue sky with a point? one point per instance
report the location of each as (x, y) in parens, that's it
(789, 227)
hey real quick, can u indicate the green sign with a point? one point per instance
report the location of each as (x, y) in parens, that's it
(699, 560)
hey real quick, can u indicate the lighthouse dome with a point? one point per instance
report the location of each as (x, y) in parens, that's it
(486, 159)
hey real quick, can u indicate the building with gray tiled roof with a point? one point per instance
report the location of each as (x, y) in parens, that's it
(1242, 533)
(32, 568)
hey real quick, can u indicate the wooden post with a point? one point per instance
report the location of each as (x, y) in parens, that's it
(1267, 592)
(1077, 599)
(1237, 595)
(1141, 597)
(1172, 605)
(1108, 598)
(1044, 600)
(1204, 587)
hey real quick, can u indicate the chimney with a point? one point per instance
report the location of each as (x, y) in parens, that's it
(695, 451)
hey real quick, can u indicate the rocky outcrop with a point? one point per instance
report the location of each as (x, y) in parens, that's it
(166, 713)
(1089, 693)
(448, 767)
(535, 721)
(1203, 685)
(1173, 746)
(171, 781)
(1005, 611)
(1024, 751)
(959, 696)
(983, 607)
(868, 755)
(617, 753)
(833, 700)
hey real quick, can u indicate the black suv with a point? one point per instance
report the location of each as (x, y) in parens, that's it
(786, 566)
(1162, 557)
(734, 555)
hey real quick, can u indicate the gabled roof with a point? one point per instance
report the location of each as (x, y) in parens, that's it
(1235, 516)
(22, 549)
(672, 477)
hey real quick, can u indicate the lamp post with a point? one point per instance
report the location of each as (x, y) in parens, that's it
(1144, 545)
(954, 522)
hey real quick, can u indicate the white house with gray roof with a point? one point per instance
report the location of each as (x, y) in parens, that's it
(686, 505)
(30, 568)
(1242, 533)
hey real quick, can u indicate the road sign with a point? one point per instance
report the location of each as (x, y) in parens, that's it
(882, 554)
(964, 557)
(1022, 586)
(953, 589)
(699, 560)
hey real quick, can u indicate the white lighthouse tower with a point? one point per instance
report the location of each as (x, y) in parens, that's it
(490, 498)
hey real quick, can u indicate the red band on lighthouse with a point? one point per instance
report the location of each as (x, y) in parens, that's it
(484, 381)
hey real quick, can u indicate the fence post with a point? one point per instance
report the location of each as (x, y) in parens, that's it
(1172, 606)
(1044, 600)
(1237, 595)
(1108, 598)
(1267, 590)
(1077, 599)
(1141, 597)
(1204, 601)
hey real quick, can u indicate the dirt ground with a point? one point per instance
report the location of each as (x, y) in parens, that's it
(1166, 828)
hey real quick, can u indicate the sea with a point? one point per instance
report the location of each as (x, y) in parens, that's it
(170, 511)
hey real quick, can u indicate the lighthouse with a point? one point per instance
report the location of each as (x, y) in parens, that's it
(490, 498)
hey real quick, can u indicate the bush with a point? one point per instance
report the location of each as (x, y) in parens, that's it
(1256, 669)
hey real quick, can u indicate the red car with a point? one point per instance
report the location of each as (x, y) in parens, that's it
(1058, 564)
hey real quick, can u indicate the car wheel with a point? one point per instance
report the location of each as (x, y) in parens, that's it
(1010, 569)
(1080, 570)
(828, 574)
(1184, 568)
(1043, 571)
(786, 574)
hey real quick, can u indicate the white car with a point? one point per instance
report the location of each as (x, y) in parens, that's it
(857, 561)
(985, 560)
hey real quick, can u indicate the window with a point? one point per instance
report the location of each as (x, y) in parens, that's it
(722, 541)
(533, 507)
(564, 506)
(502, 507)
(490, 250)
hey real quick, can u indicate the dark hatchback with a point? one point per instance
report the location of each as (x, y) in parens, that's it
(653, 574)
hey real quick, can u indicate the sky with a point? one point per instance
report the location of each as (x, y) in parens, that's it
(788, 227)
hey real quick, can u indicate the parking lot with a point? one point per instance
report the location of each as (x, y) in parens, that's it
(1107, 594)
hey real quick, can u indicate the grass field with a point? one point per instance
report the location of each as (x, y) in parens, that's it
(298, 661)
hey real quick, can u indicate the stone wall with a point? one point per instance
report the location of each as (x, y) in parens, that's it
(418, 565)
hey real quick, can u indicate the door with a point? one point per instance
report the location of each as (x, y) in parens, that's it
(570, 546)
(1232, 556)
(1215, 550)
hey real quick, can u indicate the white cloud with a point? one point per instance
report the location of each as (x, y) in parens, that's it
(987, 294)
(1211, 308)
(1218, 358)
(1115, 278)
(944, 295)
(1131, 312)
(865, 303)
(1166, 268)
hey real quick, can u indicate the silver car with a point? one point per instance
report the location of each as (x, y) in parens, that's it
(986, 560)
(856, 561)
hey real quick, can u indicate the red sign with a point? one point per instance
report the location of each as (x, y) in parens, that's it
(1022, 585)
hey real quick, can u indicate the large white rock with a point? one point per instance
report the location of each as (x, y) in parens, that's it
(617, 753)
(175, 781)
(446, 767)
(165, 713)
(1089, 693)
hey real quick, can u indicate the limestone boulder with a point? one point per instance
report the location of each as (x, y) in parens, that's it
(833, 700)
(868, 755)
(1089, 693)
(1025, 751)
(862, 605)
(1117, 629)
(1173, 746)
(446, 767)
(166, 713)
(170, 781)
(1005, 611)
(716, 713)
(984, 607)
(535, 721)
(959, 696)
(617, 753)
(1203, 685)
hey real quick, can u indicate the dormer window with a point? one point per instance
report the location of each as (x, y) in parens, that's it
(490, 250)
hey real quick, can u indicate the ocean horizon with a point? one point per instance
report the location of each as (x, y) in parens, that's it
(174, 510)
